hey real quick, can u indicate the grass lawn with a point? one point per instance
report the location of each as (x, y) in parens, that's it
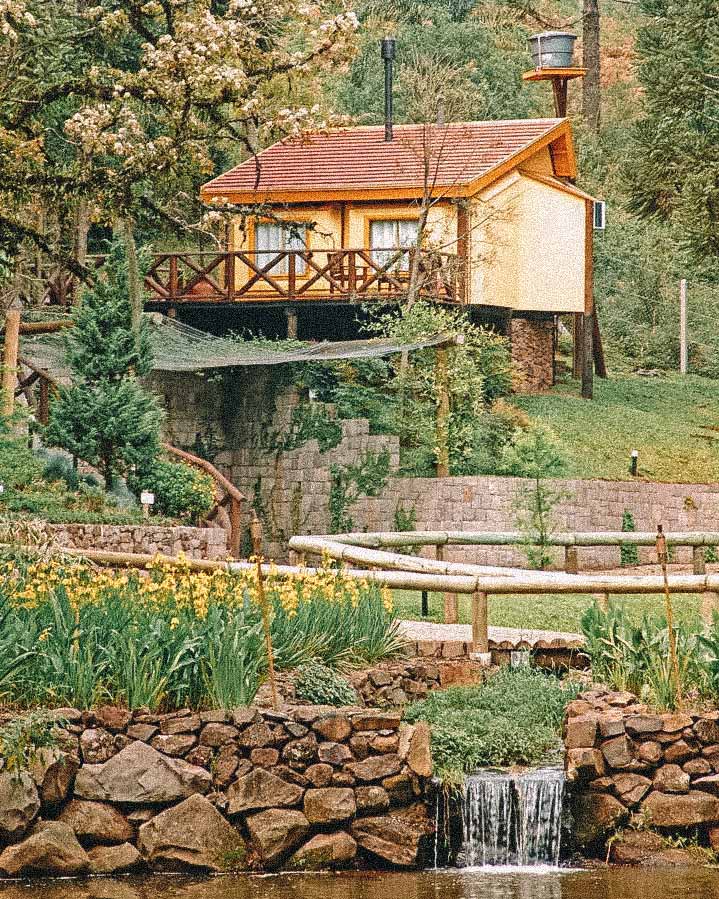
(556, 612)
(673, 421)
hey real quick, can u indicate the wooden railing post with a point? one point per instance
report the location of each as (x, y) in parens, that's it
(235, 527)
(173, 284)
(291, 276)
(352, 273)
(699, 564)
(230, 276)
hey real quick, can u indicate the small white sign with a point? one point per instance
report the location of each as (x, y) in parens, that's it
(147, 498)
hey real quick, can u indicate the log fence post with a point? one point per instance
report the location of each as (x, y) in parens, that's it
(9, 360)
(480, 628)
(571, 560)
(451, 606)
(699, 565)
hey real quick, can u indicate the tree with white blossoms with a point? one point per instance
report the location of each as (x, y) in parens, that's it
(160, 93)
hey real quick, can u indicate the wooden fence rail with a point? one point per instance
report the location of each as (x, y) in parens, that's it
(493, 580)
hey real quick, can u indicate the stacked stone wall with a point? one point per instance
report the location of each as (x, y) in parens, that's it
(532, 350)
(307, 788)
(655, 773)
(195, 543)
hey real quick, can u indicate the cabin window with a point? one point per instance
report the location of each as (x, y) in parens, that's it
(389, 235)
(272, 238)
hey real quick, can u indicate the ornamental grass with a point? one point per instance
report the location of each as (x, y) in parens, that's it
(167, 638)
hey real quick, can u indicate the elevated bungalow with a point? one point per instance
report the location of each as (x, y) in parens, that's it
(479, 214)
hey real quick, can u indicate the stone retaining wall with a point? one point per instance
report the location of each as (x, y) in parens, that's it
(196, 543)
(307, 788)
(656, 773)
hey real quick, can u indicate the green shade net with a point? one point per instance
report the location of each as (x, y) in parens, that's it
(180, 347)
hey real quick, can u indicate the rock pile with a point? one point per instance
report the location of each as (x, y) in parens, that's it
(628, 764)
(305, 788)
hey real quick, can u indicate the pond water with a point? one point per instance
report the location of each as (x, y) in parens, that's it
(467, 884)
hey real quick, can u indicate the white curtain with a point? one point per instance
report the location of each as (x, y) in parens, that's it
(272, 238)
(388, 235)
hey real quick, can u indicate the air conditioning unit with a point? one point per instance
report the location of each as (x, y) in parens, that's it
(600, 215)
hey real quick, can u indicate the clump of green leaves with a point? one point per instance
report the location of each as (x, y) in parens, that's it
(535, 454)
(634, 656)
(317, 683)
(515, 718)
(181, 491)
(23, 737)
(629, 552)
(349, 482)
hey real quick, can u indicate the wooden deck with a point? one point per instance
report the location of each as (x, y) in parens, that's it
(292, 276)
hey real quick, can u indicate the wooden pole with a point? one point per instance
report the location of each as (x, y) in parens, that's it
(256, 535)
(663, 556)
(588, 317)
(480, 623)
(442, 420)
(683, 354)
(699, 564)
(10, 354)
(235, 527)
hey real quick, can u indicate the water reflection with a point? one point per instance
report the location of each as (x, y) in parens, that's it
(527, 884)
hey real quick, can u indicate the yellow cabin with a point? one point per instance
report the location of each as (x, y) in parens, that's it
(479, 214)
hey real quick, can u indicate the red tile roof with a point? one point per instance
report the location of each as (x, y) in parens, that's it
(358, 161)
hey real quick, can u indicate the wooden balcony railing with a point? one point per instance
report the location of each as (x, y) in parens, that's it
(293, 276)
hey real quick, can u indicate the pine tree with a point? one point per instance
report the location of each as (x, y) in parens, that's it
(106, 417)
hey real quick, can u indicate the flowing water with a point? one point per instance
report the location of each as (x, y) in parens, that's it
(484, 883)
(512, 819)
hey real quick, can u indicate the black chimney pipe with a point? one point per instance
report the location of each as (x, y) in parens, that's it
(388, 45)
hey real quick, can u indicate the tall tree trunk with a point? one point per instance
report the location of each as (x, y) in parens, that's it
(82, 227)
(134, 284)
(592, 91)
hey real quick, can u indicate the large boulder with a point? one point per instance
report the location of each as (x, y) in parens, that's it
(595, 815)
(97, 822)
(52, 848)
(54, 774)
(140, 775)
(260, 789)
(330, 805)
(192, 834)
(19, 805)
(326, 850)
(665, 810)
(276, 832)
(114, 859)
(389, 837)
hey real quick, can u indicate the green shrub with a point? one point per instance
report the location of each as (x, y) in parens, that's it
(181, 491)
(514, 718)
(629, 656)
(315, 682)
(22, 738)
(629, 552)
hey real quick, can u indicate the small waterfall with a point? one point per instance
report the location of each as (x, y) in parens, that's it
(513, 819)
